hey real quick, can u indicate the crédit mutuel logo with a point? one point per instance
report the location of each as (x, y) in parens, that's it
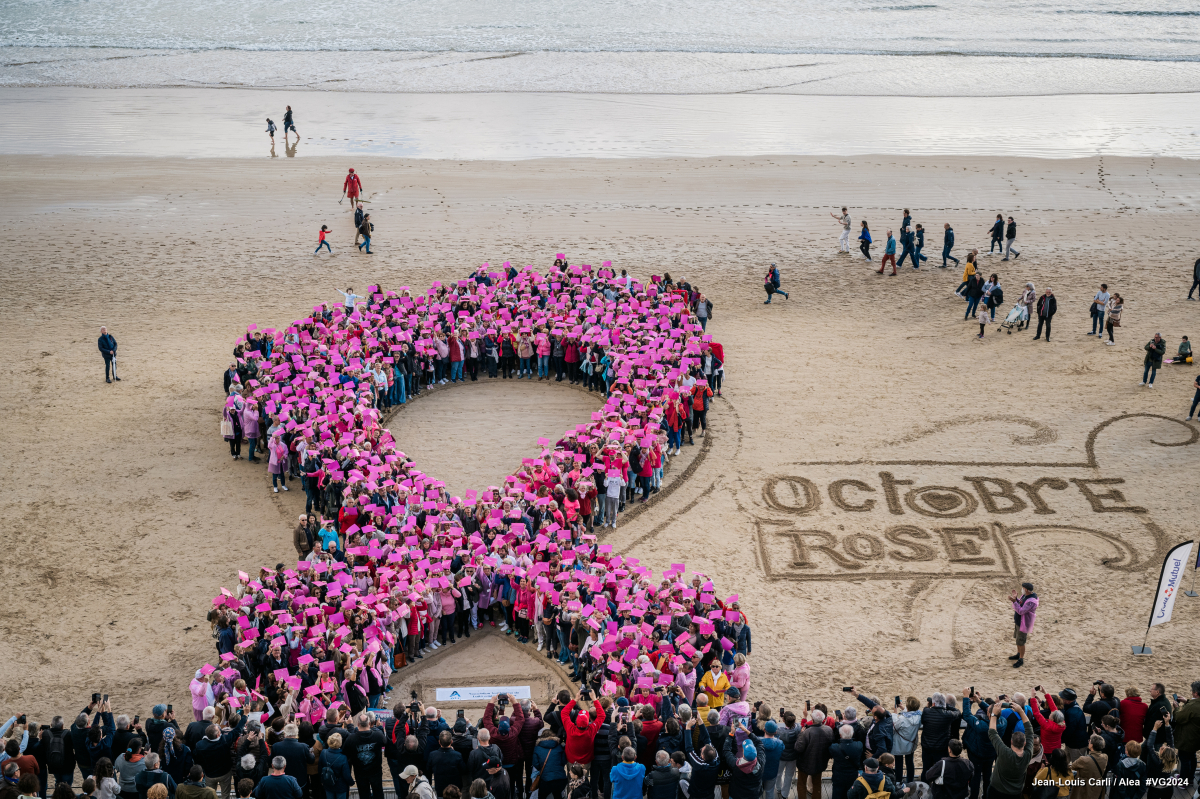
(834, 520)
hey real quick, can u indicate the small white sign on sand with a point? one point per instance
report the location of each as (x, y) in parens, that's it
(481, 693)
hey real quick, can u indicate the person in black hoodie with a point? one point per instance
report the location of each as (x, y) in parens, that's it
(704, 760)
(60, 752)
(481, 755)
(444, 766)
(950, 777)
(1114, 740)
(938, 725)
(662, 781)
(997, 234)
(1195, 278)
(1011, 241)
(213, 754)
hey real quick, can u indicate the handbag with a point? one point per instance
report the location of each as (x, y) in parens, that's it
(226, 428)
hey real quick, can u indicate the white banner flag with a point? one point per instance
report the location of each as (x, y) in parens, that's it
(481, 693)
(1169, 582)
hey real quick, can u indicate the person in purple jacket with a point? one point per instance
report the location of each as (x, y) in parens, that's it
(1024, 612)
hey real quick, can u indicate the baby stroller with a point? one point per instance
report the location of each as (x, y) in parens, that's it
(1018, 318)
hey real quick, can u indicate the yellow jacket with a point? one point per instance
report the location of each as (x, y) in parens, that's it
(715, 690)
(968, 270)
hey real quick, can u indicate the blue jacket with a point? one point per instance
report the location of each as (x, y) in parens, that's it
(771, 750)
(550, 760)
(865, 235)
(891, 246)
(775, 277)
(278, 786)
(948, 240)
(1075, 736)
(975, 736)
(107, 345)
(337, 762)
(743, 639)
(627, 780)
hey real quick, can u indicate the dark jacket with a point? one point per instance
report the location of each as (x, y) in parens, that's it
(194, 732)
(104, 748)
(479, 756)
(879, 733)
(788, 735)
(998, 229)
(1012, 230)
(938, 726)
(812, 749)
(107, 345)
(1047, 306)
(1098, 707)
(297, 755)
(146, 779)
(1075, 736)
(550, 760)
(280, 786)
(216, 757)
(741, 784)
(704, 773)
(444, 767)
(1129, 779)
(1160, 708)
(857, 791)
(662, 782)
(975, 737)
(510, 742)
(948, 239)
(846, 756)
(67, 765)
(334, 763)
(1154, 357)
(955, 774)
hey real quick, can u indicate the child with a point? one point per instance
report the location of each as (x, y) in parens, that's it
(271, 129)
(321, 242)
(1184, 355)
(612, 496)
(985, 319)
(887, 766)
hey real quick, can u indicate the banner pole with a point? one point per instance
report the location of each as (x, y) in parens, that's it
(1143, 649)
(1192, 593)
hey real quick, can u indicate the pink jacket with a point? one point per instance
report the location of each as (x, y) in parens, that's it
(740, 678)
(199, 698)
(1025, 612)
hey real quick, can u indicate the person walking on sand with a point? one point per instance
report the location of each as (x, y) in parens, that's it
(948, 245)
(321, 242)
(968, 270)
(358, 217)
(771, 284)
(889, 252)
(1099, 306)
(352, 188)
(906, 239)
(271, 130)
(1011, 237)
(1155, 349)
(365, 229)
(1116, 305)
(1195, 399)
(864, 241)
(997, 234)
(917, 257)
(288, 124)
(844, 239)
(1024, 614)
(108, 350)
(1047, 306)
(1027, 301)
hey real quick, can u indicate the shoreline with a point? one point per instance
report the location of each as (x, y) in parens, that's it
(519, 126)
(681, 72)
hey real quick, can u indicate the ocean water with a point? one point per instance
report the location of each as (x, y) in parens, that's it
(1153, 30)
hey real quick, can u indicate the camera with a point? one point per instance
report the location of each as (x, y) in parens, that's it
(415, 706)
(96, 698)
(502, 700)
(21, 719)
(1006, 705)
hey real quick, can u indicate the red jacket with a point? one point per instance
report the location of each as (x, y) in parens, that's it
(1133, 713)
(1051, 732)
(581, 740)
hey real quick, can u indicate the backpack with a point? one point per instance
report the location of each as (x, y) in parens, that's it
(56, 757)
(328, 778)
(882, 792)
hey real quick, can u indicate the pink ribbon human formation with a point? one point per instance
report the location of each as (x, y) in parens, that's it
(297, 637)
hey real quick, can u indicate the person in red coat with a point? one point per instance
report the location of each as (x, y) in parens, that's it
(581, 733)
(352, 188)
(1133, 714)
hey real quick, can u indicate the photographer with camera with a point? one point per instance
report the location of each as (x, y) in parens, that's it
(505, 731)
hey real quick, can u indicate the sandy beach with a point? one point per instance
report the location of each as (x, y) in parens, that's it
(125, 514)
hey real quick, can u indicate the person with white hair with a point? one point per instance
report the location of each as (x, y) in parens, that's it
(812, 755)
(939, 723)
(108, 350)
(847, 757)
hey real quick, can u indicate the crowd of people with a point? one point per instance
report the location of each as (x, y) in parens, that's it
(689, 738)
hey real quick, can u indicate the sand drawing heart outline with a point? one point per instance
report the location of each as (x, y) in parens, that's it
(315, 384)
